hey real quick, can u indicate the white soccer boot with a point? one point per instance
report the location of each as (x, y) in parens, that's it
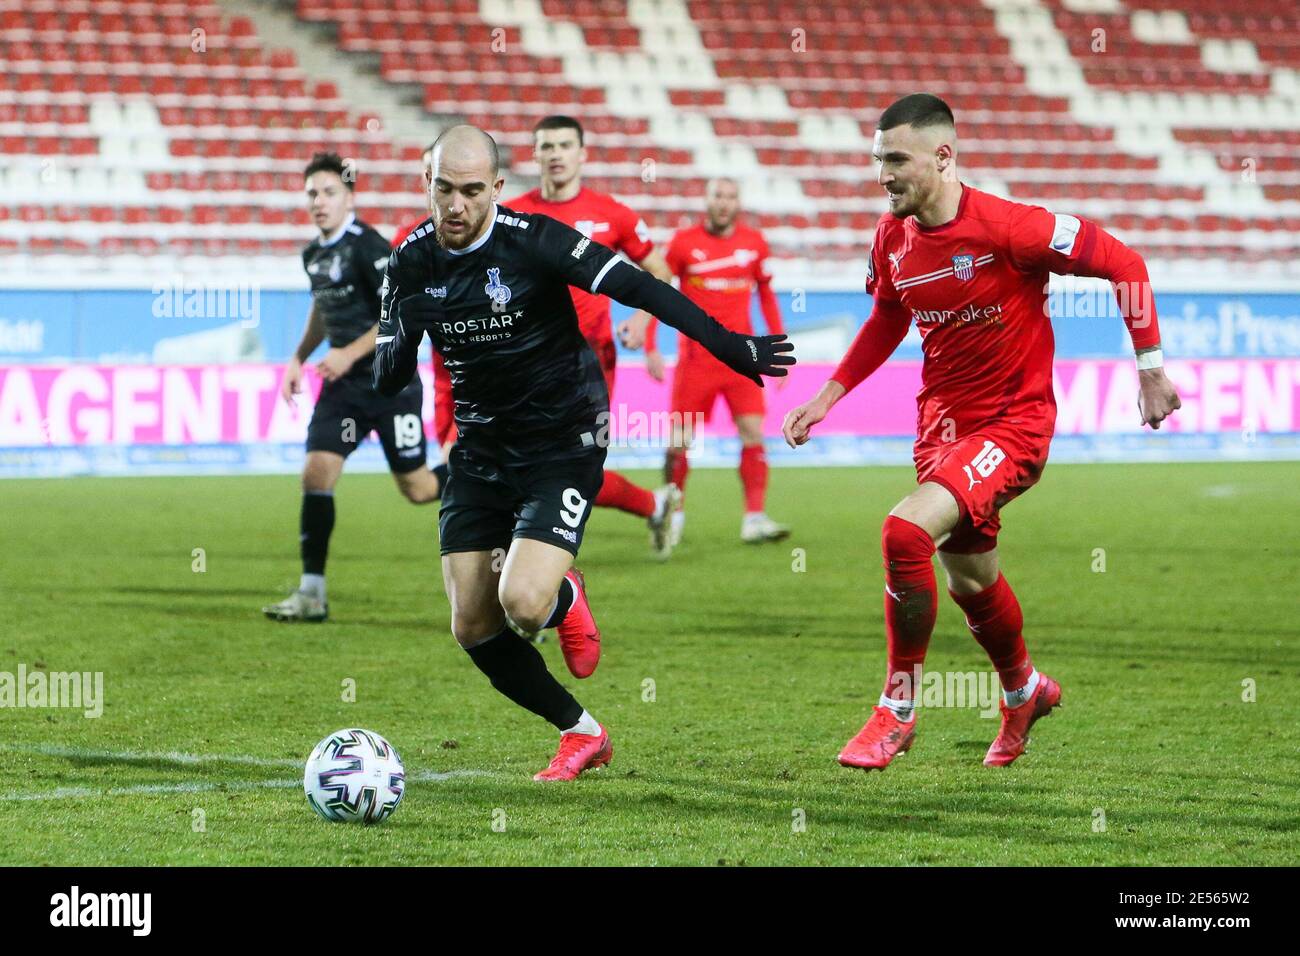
(758, 527)
(667, 500)
(298, 606)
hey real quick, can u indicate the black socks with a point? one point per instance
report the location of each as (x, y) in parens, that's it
(518, 671)
(315, 525)
(563, 601)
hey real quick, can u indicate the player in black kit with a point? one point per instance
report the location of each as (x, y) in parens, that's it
(490, 287)
(346, 267)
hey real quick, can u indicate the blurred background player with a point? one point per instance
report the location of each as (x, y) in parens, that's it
(718, 262)
(559, 151)
(444, 419)
(972, 269)
(345, 265)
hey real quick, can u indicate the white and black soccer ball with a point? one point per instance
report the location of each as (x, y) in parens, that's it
(354, 776)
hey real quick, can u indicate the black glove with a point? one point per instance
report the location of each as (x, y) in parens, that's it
(418, 313)
(754, 356)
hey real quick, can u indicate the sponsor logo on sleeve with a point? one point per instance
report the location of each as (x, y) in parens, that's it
(581, 247)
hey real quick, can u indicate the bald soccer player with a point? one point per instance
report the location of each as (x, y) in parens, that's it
(490, 286)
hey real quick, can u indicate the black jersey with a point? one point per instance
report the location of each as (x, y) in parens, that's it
(346, 277)
(525, 382)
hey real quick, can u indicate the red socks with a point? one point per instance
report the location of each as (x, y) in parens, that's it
(753, 476)
(994, 618)
(617, 492)
(675, 467)
(911, 603)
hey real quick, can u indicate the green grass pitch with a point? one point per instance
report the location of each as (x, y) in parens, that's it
(760, 673)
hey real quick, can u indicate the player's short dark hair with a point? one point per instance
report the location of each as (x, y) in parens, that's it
(330, 163)
(558, 121)
(918, 110)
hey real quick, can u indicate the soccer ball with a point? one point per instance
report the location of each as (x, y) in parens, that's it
(354, 776)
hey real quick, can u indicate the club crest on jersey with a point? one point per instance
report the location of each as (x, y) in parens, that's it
(498, 293)
(963, 267)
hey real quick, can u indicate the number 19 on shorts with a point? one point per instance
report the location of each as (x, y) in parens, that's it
(407, 431)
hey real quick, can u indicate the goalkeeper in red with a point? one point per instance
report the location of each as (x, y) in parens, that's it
(971, 270)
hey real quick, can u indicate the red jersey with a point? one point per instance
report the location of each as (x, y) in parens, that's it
(406, 230)
(976, 287)
(606, 220)
(719, 273)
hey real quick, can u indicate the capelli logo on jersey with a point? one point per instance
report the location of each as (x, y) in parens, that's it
(498, 293)
(438, 292)
(972, 313)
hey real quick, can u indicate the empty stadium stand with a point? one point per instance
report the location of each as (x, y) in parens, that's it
(133, 130)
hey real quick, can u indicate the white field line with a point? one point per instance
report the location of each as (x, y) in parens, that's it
(160, 756)
(183, 759)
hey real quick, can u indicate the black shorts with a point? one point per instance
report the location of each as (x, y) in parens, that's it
(349, 409)
(549, 501)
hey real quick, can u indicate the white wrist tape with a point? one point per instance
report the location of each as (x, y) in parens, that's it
(1152, 359)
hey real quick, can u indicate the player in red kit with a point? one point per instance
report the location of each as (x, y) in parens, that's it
(971, 270)
(444, 408)
(560, 153)
(718, 264)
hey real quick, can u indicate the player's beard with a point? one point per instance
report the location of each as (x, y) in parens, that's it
(907, 203)
(466, 236)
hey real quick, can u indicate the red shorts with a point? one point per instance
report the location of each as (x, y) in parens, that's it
(983, 472)
(444, 409)
(607, 354)
(697, 384)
